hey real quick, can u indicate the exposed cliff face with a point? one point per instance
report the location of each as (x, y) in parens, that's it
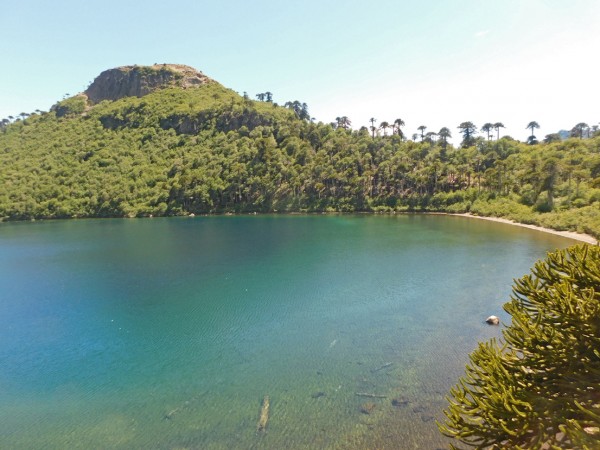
(137, 81)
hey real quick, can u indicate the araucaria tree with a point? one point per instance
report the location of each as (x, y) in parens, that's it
(487, 128)
(497, 126)
(580, 129)
(532, 126)
(343, 122)
(398, 124)
(468, 129)
(444, 134)
(373, 127)
(384, 126)
(301, 109)
(539, 388)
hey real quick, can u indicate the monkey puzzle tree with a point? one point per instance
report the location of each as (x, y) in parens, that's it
(373, 127)
(301, 109)
(468, 129)
(539, 387)
(532, 126)
(497, 126)
(487, 128)
(304, 114)
(343, 122)
(430, 136)
(398, 124)
(384, 126)
(580, 129)
(444, 134)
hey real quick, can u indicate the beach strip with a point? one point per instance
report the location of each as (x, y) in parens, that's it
(568, 234)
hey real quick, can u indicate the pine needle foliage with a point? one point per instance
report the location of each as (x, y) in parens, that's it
(539, 387)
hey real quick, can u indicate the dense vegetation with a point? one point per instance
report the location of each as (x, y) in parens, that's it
(208, 150)
(539, 388)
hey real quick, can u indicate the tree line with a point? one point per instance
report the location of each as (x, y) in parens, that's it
(209, 150)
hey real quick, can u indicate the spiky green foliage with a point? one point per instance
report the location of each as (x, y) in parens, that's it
(541, 385)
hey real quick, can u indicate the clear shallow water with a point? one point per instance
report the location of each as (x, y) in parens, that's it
(168, 333)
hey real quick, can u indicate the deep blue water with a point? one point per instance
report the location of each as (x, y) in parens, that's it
(168, 333)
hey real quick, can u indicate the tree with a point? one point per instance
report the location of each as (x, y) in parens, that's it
(548, 178)
(539, 387)
(384, 126)
(422, 129)
(497, 126)
(398, 124)
(580, 129)
(468, 129)
(487, 128)
(304, 114)
(532, 126)
(301, 109)
(373, 128)
(444, 134)
(261, 97)
(268, 97)
(343, 122)
(430, 136)
(552, 137)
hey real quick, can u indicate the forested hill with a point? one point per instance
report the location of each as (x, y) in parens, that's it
(166, 140)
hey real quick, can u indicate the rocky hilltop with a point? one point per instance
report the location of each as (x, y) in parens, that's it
(137, 81)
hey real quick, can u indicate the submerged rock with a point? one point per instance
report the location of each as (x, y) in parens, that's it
(319, 394)
(493, 320)
(367, 408)
(400, 402)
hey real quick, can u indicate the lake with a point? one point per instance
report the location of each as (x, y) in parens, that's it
(168, 333)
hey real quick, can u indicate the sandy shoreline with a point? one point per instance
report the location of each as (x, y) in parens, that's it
(568, 234)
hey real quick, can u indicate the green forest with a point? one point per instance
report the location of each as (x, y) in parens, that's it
(208, 150)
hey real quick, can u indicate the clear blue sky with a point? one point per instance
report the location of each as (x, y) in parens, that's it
(433, 63)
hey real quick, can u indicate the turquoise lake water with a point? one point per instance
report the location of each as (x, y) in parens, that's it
(168, 333)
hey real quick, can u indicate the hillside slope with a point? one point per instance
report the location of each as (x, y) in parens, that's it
(134, 155)
(167, 140)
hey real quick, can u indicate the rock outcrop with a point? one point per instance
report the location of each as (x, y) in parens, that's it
(137, 81)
